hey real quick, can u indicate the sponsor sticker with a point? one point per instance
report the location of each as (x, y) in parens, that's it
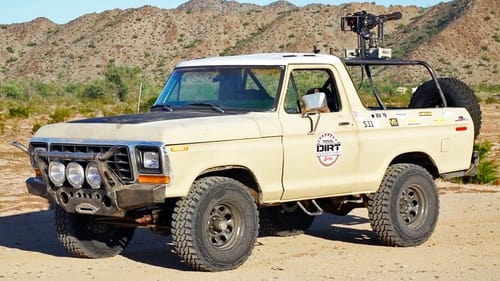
(461, 119)
(425, 113)
(328, 149)
(379, 115)
(394, 122)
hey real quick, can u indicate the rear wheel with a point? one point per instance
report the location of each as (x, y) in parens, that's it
(84, 238)
(215, 227)
(456, 93)
(404, 211)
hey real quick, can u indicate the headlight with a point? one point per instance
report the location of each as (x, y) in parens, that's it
(57, 173)
(92, 175)
(151, 160)
(75, 174)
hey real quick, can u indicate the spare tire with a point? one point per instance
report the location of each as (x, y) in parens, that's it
(456, 93)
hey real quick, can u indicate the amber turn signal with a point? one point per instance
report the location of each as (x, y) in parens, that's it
(150, 179)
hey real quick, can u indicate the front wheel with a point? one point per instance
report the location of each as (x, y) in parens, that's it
(405, 209)
(85, 238)
(215, 226)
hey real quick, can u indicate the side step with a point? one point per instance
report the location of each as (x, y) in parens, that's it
(316, 212)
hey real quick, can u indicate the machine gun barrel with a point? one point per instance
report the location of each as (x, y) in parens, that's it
(393, 16)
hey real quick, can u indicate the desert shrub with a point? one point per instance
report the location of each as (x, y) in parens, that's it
(35, 127)
(486, 88)
(12, 90)
(146, 105)
(42, 89)
(61, 114)
(491, 99)
(487, 170)
(19, 111)
(93, 91)
(89, 109)
(118, 79)
(2, 124)
(119, 109)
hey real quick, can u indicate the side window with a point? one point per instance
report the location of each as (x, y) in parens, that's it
(292, 97)
(308, 81)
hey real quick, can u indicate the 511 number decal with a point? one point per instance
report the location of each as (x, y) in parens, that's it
(368, 124)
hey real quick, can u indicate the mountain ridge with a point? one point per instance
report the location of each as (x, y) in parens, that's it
(155, 39)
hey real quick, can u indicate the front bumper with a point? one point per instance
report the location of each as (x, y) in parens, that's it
(113, 198)
(99, 202)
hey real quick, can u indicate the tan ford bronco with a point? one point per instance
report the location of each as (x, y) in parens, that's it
(241, 145)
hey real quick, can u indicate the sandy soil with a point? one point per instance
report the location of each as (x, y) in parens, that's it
(465, 245)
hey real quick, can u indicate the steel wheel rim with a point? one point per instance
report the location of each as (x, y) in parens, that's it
(412, 206)
(224, 226)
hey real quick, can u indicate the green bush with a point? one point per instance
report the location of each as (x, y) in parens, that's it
(487, 170)
(35, 127)
(61, 114)
(486, 88)
(12, 90)
(93, 91)
(19, 111)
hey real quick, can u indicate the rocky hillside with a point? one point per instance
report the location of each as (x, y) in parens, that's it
(459, 38)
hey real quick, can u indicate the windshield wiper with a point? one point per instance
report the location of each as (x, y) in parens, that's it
(211, 105)
(161, 107)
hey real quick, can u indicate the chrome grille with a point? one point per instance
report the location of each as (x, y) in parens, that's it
(119, 163)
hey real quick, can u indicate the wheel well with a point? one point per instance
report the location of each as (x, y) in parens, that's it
(239, 173)
(418, 158)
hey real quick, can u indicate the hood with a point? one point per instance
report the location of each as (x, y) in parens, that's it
(148, 117)
(166, 127)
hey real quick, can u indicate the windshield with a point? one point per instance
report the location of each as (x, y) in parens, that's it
(237, 88)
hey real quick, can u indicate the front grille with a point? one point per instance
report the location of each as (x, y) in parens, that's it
(119, 163)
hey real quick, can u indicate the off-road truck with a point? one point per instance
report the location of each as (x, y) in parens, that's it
(266, 140)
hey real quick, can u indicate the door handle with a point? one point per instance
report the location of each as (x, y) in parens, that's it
(344, 123)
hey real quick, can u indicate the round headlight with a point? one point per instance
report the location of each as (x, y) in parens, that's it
(92, 175)
(57, 173)
(75, 174)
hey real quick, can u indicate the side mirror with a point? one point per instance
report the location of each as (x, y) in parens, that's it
(315, 102)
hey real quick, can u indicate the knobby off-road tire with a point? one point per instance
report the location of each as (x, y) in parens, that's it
(404, 211)
(284, 220)
(456, 93)
(86, 239)
(215, 227)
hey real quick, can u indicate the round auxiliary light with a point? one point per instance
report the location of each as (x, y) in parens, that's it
(57, 173)
(92, 176)
(75, 174)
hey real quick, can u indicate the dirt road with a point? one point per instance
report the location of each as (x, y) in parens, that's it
(465, 246)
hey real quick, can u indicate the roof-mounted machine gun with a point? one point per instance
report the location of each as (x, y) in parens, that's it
(369, 45)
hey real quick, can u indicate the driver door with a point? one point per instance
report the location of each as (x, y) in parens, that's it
(320, 151)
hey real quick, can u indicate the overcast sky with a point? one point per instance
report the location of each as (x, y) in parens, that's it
(63, 11)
